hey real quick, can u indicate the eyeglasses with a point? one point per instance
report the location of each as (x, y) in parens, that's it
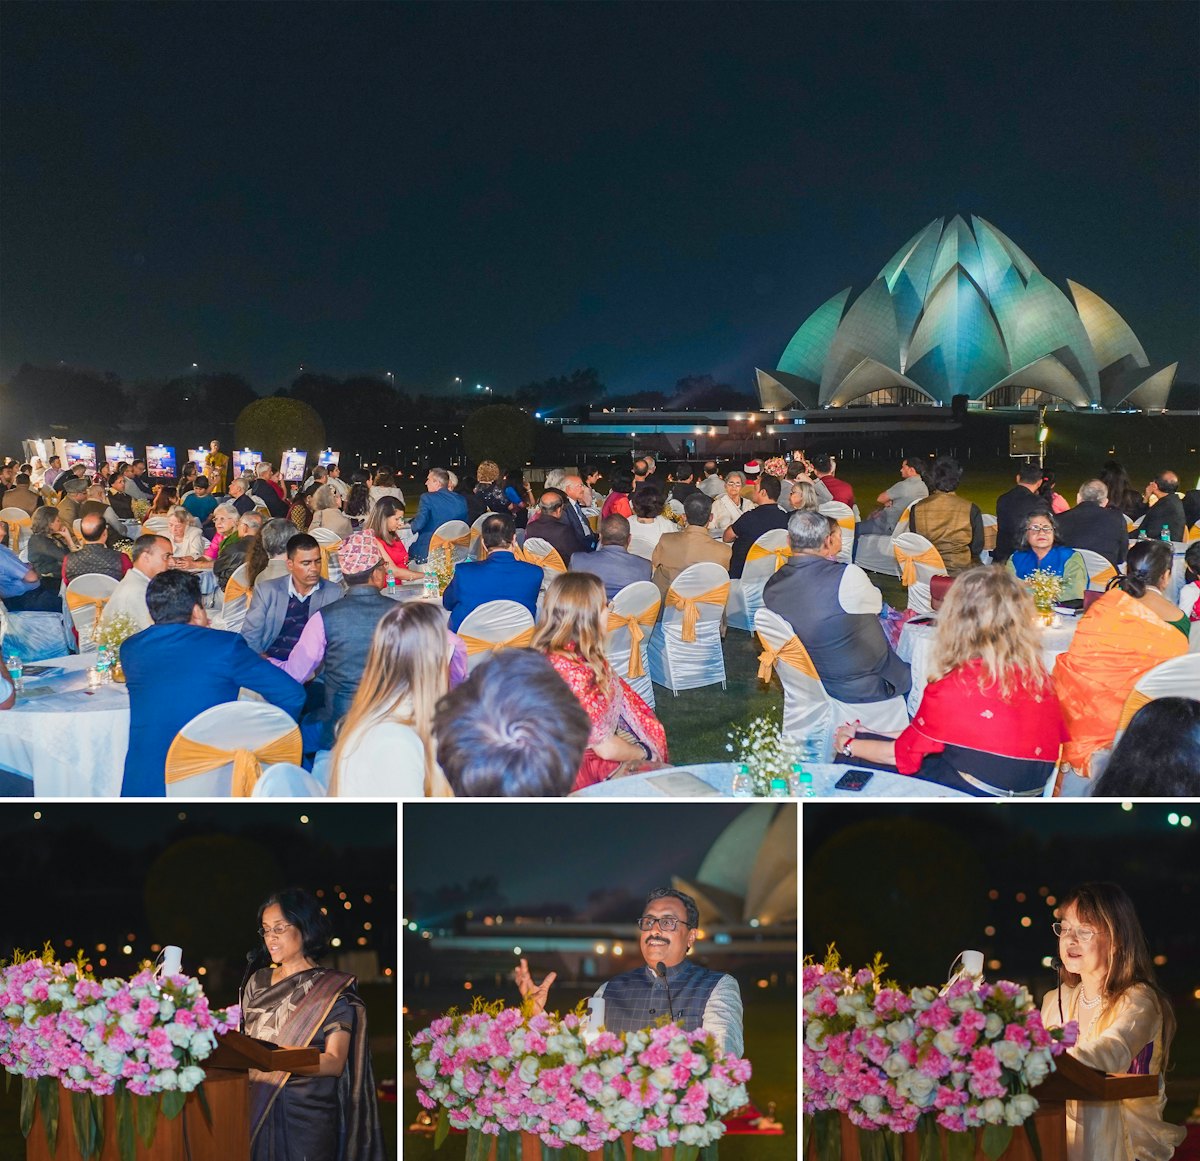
(1040, 528)
(278, 929)
(665, 922)
(1083, 934)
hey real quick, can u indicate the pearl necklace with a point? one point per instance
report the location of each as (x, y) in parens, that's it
(1085, 1001)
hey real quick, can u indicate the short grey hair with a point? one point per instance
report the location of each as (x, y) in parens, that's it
(1095, 490)
(275, 535)
(807, 530)
(262, 468)
(227, 509)
(807, 492)
(740, 477)
(240, 485)
(555, 478)
(251, 520)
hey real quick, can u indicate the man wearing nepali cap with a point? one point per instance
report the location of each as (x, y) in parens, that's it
(339, 635)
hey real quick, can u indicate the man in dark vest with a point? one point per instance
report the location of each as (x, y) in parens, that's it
(699, 998)
(834, 609)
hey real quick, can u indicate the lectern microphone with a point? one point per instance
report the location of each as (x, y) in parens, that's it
(660, 970)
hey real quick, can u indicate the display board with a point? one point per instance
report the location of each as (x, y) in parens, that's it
(79, 451)
(116, 453)
(328, 458)
(244, 460)
(160, 460)
(292, 467)
(196, 456)
(41, 449)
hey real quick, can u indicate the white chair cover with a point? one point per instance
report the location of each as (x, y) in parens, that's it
(1179, 677)
(680, 664)
(156, 524)
(17, 520)
(845, 517)
(807, 711)
(634, 600)
(327, 538)
(1100, 569)
(745, 592)
(919, 599)
(287, 780)
(234, 725)
(454, 530)
(84, 617)
(496, 623)
(475, 551)
(875, 552)
(541, 552)
(988, 521)
(233, 611)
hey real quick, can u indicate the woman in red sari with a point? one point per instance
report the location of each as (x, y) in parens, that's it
(330, 1113)
(571, 633)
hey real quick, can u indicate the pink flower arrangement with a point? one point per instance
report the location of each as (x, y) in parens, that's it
(776, 466)
(492, 1070)
(904, 1061)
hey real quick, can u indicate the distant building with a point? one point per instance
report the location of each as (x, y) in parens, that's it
(962, 310)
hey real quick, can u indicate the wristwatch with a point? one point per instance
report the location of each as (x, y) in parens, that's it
(846, 746)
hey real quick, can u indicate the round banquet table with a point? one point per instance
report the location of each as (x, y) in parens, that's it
(715, 780)
(916, 641)
(70, 741)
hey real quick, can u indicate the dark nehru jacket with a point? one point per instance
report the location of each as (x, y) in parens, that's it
(834, 609)
(349, 626)
(636, 999)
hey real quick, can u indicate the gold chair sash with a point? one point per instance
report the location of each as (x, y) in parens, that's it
(326, 550)
(234, 589)
(1102, 578)
(791, 652)
(691, 607)
(908, 562)
(76, 601)
(187, 758)
(479, 645)
(463, 541)
(1133, 703)
(14, 532)
(1192, 533)
(757, 552)
(634, 624)
(552, 559)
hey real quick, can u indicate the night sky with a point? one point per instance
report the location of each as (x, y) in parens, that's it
(507, 192)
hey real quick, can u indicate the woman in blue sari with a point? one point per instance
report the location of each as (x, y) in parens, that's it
(1042, 553)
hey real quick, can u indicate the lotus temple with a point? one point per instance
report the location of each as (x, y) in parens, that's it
(961, 310)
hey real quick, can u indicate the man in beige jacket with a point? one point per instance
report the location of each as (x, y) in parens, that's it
(692, 545)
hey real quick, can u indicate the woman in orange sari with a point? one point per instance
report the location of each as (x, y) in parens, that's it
(571, 633)
(1129, 630)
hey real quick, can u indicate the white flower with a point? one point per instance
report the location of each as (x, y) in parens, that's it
(426, 1069)
(944, 1042)
(900, 1031)
(529, 1069)
(895, 1065)
(993, 1027)
(1020, 1109)
(992, 1111)
(919, 1087)
(872, 1104)
(167, 1079)
(1008, 1054)
(190, 1078)
(1036, 1069)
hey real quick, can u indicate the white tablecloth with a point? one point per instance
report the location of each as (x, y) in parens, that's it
(717, 779)
(69, 741)
(916, 641)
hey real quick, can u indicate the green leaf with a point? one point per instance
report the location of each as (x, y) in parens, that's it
(172, 1103)
(47, 1090)
(1031, 1133)
(88, 1123)
(549, 1154)
(687, 1152)
(126, 1136)
(646, 1154)
(927, 1138)
(960, 1146)
(612, 1151)
(709, 1152)
(442, 1130)
(871, 1145)
(28, 1104)
(573, 1153)
(827, 1132)
(146, 1118)
(202, 1097)
(996, 1138)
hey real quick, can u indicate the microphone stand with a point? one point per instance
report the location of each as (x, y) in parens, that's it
(251, 961)
(660, 970)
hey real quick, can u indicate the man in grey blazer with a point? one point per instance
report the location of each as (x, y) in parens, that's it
(279, 608)
(612, 562)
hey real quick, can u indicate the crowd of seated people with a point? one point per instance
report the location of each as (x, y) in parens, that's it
(370, 676)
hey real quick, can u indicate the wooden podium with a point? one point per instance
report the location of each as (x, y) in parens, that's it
(1071, 1081)
(228, 1090)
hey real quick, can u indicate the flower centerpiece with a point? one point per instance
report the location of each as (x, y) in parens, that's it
(764, 750)
(139, 1040)
(141, 509)
(902, 1061)
(493, 1071)
(112, 633)
(776, 466)
(676, 518)
(1047, 590)
(441, 563)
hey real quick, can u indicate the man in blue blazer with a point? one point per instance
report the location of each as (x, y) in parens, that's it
(179, 667)
(612, 562)
(498, 577)
(438, 505)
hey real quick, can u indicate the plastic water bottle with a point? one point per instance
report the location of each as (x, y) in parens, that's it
(779, 786)
(432, 588)
(391, 585)
(743, 784)
(16, 668)
(1165, 534)
(103, 665)
(802, 782)
(1141, 534)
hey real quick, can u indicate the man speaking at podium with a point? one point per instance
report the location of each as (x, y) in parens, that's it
(668, 983)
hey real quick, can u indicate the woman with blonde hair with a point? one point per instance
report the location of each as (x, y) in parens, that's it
(187, 541)
(1107, 986)
(327, 512)
(989, 722)
(385, 743)
(571, 632)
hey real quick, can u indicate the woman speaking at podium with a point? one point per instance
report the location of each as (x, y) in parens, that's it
(292, 1002)
(1107, 985)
